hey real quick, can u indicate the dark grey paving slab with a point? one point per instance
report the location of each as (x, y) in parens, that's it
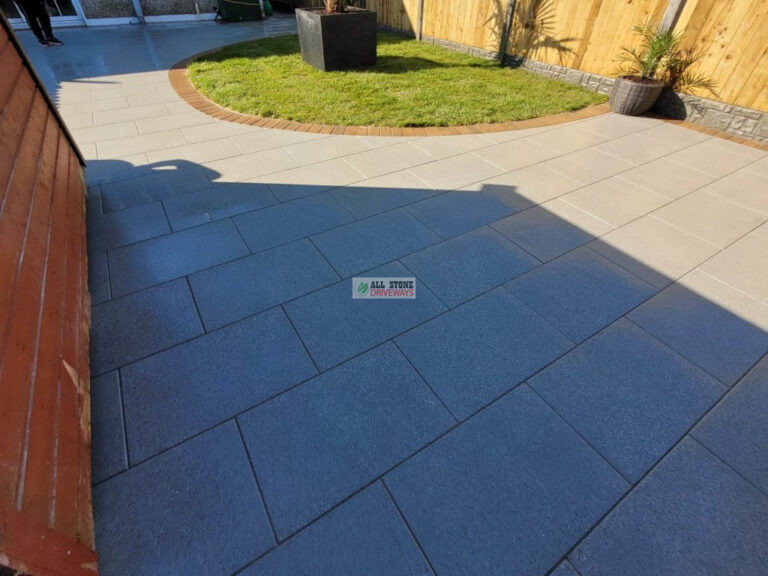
(581, 293)
(365, 535)
(196, 505)
(108, 452)
(564, 569)
(107, 231)
(182, 391)
(141, 324)
(249, 285)
(481, 349)
(737, 428)
(371, 242)
(165, 180)
(724, 344)
(335, 327)
(220, 201)
(508, 492)
(468, 265)
(98, 278)
(691, 515)
(368, 198)
(317, 444)
(290, 221)
(542, 233)
(630, 396)
(459, 211)
(154, 261)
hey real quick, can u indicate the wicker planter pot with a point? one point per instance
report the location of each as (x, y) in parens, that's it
(632, 96)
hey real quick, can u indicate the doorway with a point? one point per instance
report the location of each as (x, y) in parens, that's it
(62, 13)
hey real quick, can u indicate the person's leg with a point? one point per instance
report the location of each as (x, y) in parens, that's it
(44, 19)
(29, 9)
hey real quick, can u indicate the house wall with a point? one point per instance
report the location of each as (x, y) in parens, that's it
(45, 481)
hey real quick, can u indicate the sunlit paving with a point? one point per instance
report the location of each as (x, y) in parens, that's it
(286, 309)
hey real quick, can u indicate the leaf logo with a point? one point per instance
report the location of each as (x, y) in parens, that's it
(362, 288)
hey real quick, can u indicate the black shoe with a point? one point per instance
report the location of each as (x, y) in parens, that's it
(54, 41)
(44, 43)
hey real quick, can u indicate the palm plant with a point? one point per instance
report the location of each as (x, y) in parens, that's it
(334, 6)
(658, 56)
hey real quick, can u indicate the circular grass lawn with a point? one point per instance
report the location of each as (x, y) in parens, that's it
(413, 84)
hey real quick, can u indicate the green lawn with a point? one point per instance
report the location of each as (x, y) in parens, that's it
(413, 84)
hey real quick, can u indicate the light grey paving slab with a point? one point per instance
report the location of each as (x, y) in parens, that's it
(588, 166)
(710, 218)
(307, 465)
(249, 285)
(743, 266)
(482, 349)
(220, 201)
(721, 329)
(667, 178)
(290, 221)
(576, 217)
(445, 146)
(736, 429)
(518, 153)
(336, 327)
(312, 179)
(655, 251)
(190, 118)
(580, 293)
(101, 133)
(542, 233)
(213, 131)
(115, 229)
(368, 243)
(131, 113)
(108, 447)
(568, 138)
(151, 262)
(383, 193)
(117, 147)
(185, 390)
(320, 150)
(528, 186)
(199, 152)
(677, 135)
(745, 188)
(691, 515)
(456, 172)
(191, 514)
(615, 201)
(126, 329)
(508, 492)
(388, 159)
(365, 535)
(638, 148)
(714, 157)
(257, 140)
(152, 183)
(616, 125)
(628, 395)
(468, 265)
(250, 166)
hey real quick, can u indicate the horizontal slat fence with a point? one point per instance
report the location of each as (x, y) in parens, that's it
(588, 34)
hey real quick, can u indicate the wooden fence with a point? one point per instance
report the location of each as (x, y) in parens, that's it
(45, 476)
(588, 34)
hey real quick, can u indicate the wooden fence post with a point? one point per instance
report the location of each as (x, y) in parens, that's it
(420, 20)
(672, 15)
(505, 31)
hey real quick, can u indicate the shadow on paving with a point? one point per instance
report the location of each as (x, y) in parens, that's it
(549, 396)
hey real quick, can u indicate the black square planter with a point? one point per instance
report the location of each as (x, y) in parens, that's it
(337, 41)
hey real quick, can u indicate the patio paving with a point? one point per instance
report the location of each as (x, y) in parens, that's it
(580, 386)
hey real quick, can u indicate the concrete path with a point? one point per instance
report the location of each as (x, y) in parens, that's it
(579, 387)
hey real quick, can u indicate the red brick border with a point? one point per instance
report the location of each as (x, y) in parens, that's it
(187, 91)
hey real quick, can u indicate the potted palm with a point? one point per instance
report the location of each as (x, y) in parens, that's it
(643, 68)
(337, 36)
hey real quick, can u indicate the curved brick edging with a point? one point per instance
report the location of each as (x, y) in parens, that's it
(187, 92)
